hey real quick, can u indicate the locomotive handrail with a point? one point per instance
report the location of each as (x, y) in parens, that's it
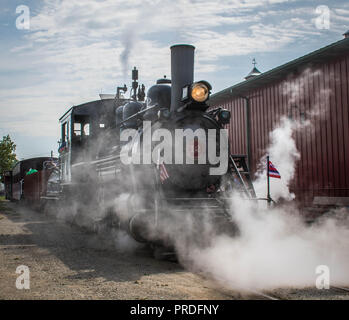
(138, 114)
(111, 158)
(266, 199)
(237, 172)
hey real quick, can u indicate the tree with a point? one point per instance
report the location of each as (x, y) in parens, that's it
(7, 155)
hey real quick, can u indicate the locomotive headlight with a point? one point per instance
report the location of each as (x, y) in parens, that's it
(224, 116)
(200, 92)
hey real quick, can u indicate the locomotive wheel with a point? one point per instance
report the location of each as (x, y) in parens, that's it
(164, 254)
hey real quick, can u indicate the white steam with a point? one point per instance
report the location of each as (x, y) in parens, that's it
(283, 153)
(275, 247)
(282, 150)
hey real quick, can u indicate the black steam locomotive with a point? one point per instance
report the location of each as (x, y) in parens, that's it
(154, 200)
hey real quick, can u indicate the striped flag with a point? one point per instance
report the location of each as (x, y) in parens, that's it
(163, 173)
(62, 147)
(273, 172)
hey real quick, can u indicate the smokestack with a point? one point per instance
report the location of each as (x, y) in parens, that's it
(182, 72)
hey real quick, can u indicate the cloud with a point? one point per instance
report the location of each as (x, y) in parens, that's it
(73, 49)
(257, 38)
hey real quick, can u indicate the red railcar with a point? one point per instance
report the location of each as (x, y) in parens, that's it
(31, 187)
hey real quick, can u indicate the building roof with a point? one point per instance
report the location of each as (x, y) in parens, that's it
(88, 107)
(254, 72)
(333, 50)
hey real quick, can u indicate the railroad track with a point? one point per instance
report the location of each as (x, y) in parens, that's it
(263, 295)
(302, 293)
(341, 288)
(251, 293)
(273, 296)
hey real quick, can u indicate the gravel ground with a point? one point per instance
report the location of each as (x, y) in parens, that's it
(67, 262)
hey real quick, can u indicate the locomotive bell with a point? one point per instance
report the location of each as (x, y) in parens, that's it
(182, 72)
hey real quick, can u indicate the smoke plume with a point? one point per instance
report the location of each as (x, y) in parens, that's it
(127, 40)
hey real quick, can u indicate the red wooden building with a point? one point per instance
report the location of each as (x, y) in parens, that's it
(317, 80)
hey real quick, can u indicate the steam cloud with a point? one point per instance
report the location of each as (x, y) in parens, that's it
(283, 152)
(274, 247)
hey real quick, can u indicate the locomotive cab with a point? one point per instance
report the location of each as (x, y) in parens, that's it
(87, 133)
(80, 133)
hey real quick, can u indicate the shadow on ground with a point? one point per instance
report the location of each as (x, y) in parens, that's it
(88, 254)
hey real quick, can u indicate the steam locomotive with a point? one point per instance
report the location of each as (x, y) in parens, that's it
(103, 175)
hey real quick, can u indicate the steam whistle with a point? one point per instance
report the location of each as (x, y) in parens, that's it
(141, 93)
(134, 83)
(124, 89)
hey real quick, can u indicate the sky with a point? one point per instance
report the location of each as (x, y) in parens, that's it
(73, 50)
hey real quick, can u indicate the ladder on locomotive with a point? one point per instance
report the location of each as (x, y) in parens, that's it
(240, 169)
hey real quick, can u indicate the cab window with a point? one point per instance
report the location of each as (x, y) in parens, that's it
(77, 129)
(86, 129)
(64, 131)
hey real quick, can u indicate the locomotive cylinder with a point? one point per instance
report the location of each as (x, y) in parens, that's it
(182, 72)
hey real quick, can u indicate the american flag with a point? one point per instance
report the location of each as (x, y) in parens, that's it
(273, 172)
(163, 173)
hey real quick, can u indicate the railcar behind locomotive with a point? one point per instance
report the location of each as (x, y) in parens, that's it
(28, 179)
